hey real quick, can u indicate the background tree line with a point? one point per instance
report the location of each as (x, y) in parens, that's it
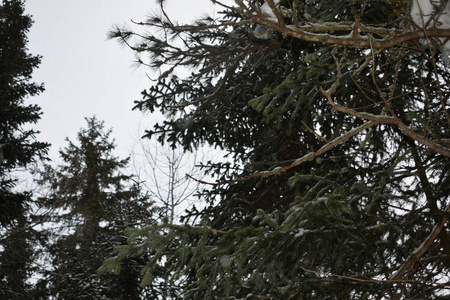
(54, 238)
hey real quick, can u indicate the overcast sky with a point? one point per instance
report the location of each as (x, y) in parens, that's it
(86, 74)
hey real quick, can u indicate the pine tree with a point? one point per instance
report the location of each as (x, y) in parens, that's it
(18, 148)
(335, 115)
(93, 203)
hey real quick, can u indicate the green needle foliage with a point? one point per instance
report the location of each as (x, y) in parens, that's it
(336, 122)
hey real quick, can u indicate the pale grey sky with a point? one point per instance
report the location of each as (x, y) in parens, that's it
(86, 74)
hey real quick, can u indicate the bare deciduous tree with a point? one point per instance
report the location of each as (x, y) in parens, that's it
(162, 170)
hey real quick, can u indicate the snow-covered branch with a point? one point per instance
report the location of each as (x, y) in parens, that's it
(271, 15)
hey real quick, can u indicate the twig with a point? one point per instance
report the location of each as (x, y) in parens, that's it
(314, 132)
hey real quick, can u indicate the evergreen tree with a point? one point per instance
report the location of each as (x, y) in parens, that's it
(93, 203)
(336, 117)
(18, 147)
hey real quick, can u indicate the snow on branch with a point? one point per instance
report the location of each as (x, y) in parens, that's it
(270, 15)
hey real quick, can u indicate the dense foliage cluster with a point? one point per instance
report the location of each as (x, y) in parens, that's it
(335, 116)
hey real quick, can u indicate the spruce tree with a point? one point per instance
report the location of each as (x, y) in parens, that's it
(18, 148)
(93, 203)
(335, 116)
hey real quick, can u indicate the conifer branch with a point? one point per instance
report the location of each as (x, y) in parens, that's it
(415, 256)
(321, 32)
(370, 280)
(419, 251)
(389, 120)
(308, 157)
(307, 33)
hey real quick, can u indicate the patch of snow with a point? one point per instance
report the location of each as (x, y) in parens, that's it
(267, 11)
(262, 31)
(424, 13)
(301, 231)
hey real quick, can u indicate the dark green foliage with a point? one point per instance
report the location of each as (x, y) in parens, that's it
(93, 203)
(18, 148)
(17, 145)
(365, 219)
